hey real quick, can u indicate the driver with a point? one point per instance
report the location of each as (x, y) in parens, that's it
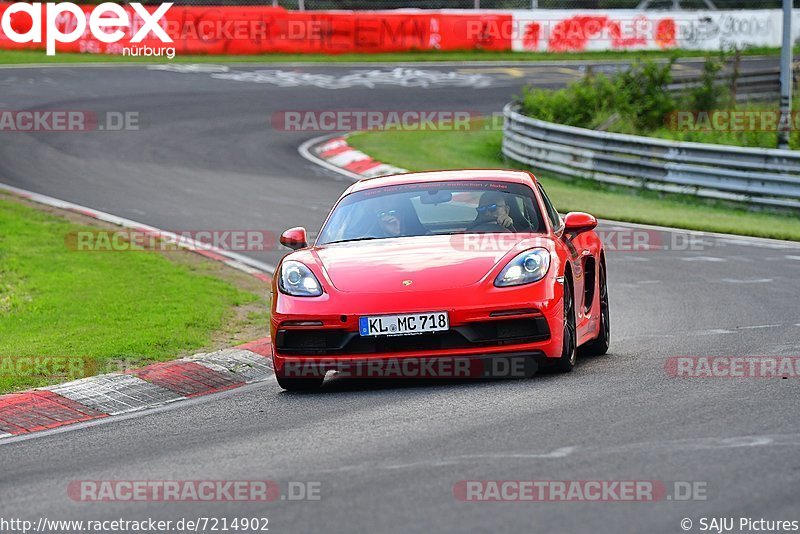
(389, 224)
(493, 214)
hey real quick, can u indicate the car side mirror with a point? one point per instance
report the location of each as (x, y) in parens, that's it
(294, 238)
(577, 222)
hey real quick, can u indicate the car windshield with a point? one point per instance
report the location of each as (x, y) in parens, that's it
(433, 208)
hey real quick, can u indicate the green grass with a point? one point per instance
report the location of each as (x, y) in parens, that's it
(20, 57)
(97, 307)
(743, 137)
(480, 148)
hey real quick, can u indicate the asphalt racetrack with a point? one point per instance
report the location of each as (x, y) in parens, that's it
(388, 455)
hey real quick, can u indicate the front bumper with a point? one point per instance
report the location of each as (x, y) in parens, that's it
(523, 324)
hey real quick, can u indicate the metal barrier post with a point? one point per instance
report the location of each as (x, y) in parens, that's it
(786, 77)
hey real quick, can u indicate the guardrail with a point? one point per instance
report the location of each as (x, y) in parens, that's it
(756, 176)
(760, 84)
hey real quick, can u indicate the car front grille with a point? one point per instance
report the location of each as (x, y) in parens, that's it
(313, 342)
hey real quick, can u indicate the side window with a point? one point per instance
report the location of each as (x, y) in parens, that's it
(552, 214)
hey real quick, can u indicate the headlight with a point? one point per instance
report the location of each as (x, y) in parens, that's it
(298, 280)
(525, 268)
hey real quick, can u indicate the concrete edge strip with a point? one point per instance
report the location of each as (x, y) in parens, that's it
(120, 393)
(333, 153)
(327, 150)
(234, 260)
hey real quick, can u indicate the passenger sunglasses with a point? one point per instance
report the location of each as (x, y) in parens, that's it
(490, 207)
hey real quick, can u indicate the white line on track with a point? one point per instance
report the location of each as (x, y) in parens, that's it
(708, 332)
(561, 452)
(712, 259)
(683, 445)
(746, 281)
(713, 443)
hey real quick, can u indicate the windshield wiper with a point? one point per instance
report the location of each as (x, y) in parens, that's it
(351, 240)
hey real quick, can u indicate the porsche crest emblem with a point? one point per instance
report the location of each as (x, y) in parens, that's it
(407, 282)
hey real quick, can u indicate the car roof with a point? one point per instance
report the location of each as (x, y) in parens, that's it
(497, 175)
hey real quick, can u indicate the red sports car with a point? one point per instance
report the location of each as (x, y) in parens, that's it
(441, 274)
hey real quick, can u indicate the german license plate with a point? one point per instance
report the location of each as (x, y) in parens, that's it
(399, 325)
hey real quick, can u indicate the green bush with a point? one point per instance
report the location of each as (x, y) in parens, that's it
(708, 95)
(637, 101)
(578, 105)
(633, 100)
(645, 90)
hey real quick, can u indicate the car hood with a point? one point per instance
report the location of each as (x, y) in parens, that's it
(428, 262)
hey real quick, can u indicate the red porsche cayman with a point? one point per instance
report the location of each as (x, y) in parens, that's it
(440, 274)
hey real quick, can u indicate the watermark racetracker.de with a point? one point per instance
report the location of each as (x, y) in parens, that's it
(49, 367)
(133, 240)
(409, 367)
(614, 240)
(733, 120)
(411, 120)
(49, 120)
(783, 367)
(196, 524)
(148, 491)
(579, 490)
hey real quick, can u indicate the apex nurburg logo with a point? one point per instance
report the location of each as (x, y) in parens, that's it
(103, 17)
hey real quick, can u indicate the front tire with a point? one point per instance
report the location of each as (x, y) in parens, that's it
(569, 351)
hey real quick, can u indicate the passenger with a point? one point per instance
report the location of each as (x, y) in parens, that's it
(395, 216)
(493, 214)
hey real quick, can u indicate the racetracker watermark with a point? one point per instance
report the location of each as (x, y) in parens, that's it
(193, 490)
(621, 31)
(65, 22)
(51, 367)
(727, 120)
(335, 120)
(130, 240)
(67, 121)
(578, 491)
(733, 366)
(614, 240)
(665, 29)
(108, 526)
(499, 366)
